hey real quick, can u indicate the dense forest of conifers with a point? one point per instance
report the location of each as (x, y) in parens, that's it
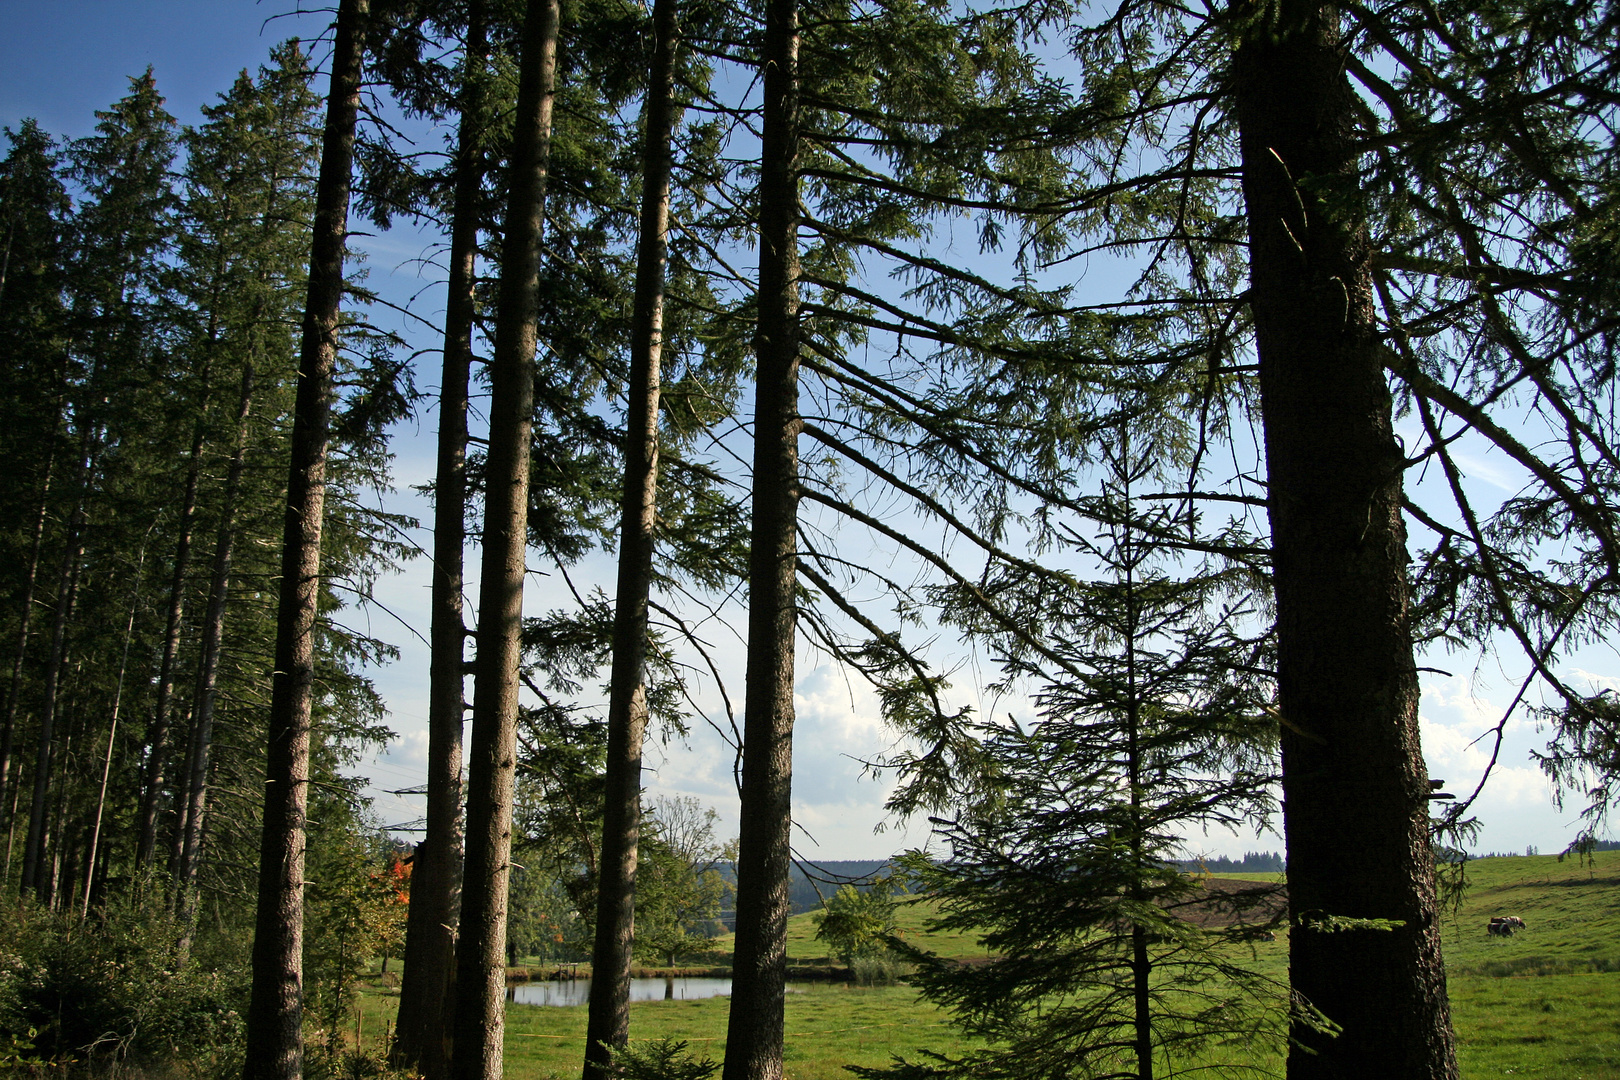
(1140, 351)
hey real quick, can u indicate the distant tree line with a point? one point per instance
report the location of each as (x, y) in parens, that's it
(1585, 845)
(813, 882)
(1252, 862)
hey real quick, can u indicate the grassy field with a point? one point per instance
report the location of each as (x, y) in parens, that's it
(828, 1026)
(1545, 1002)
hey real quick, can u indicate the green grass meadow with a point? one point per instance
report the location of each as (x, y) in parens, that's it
(828, 1026)
(1544, 1003)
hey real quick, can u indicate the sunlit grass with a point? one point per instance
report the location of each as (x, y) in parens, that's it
(1565, 1026)
(828, 1026)
(1544, 1003)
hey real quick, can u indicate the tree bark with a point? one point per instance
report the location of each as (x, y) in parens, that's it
(754, 1032)
(1354, 785)
(112, 733)
(608, 1024)
(189, 823)
(424, 1013)
(67, 586)
(157, 740)
(1141, 960)
(492, 764)
(275, 1048)
(25, 613)
(58, 861)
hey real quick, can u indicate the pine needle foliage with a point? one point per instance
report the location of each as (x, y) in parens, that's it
(1107, 960)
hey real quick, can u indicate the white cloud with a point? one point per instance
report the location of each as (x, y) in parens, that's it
(1595, 683)
(1461, 755)
(1477, 469)
(836, 803)
(844, 709)
(1461, 700)
(1455, 747)
(409, 750)
(1515, 806)
(1519, 785)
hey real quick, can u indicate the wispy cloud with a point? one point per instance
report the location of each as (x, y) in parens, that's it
(1462, 701)
(1596, 683)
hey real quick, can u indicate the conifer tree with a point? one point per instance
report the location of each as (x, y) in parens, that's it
(608, 1025)
(481, 950)
(1312, 194)
(121, 234)
(275, 1016)
(245, 180)
(1061, 854)
(764, 858)
(34, 204)
(1354, 784)
(249, 173)
(425, 1008)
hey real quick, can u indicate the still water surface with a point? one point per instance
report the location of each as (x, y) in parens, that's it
(578, 991)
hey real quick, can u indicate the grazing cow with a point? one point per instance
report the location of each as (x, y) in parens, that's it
(1504, 925)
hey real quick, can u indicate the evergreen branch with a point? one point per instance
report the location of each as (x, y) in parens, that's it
(988, 606)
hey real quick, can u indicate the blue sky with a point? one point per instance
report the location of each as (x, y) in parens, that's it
(63, 59)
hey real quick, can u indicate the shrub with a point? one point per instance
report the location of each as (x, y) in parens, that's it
(665, 1059)
(877, 970)
(112, 988)
(858, 925)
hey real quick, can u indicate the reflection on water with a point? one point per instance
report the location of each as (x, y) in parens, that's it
(578, 991)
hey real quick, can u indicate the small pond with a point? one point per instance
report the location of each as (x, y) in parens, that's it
(578, 991)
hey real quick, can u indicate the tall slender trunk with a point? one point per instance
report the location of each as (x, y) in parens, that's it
(189, 816)
(25, 615)
(1141, 962)
(11, 821)
(112, 730)
(430, 942)
(64, 860)
(1354, 785)
(492, 763)
(177, 828)
(608, 1024)
(754, 1032)
(275, 1048)
(61, 852)
(5, 259)
(157, 739)
(66, 591)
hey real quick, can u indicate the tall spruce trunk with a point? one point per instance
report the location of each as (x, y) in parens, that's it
(754, 1031)
(25, 613)
(1354, 784)
(190, 814)
(608, 1024)
(423, 1029)
(36, 876)
(275, 1049)
(492, 762)
(57, 861)
(1135, 760)
(157, 739)
(112, 733)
